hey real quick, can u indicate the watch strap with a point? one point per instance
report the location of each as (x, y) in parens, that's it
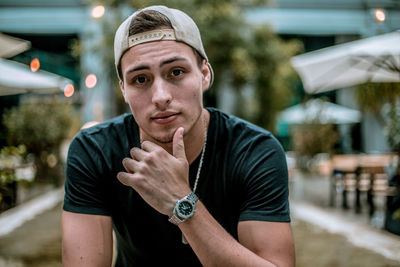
(192, 197)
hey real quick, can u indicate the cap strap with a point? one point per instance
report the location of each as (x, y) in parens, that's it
(151, 36)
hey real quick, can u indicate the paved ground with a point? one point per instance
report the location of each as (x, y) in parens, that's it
(38, 241)
(317, 247)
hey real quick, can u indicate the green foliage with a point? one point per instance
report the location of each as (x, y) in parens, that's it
(10, 158)
(396, 215)
(373, 96)
(19, 151)
(39, 126)
(393, 128)
(312, 138)
(242, 55)
(274, 77)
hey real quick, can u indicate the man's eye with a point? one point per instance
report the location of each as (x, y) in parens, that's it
(176, 72)
(140, 79)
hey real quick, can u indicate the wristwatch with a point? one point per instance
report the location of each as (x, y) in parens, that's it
(184, 209)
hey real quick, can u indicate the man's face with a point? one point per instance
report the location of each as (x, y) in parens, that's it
(163, 86)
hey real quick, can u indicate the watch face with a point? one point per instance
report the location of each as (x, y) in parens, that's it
(185, 208)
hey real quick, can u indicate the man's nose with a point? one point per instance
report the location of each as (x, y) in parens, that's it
(161, 94)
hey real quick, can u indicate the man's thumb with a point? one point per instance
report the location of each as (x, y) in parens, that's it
(178, 146)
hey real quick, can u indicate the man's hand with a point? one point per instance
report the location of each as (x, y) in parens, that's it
(158, 177)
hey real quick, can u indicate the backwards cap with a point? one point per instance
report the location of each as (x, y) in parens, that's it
(184, 30)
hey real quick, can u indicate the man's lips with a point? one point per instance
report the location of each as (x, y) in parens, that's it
(165, 117)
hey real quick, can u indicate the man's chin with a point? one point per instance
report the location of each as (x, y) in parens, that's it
(160, 137)
(164, 141)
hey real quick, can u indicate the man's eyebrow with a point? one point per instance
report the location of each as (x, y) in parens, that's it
(140, 67)
(145, 67)
(177, 58)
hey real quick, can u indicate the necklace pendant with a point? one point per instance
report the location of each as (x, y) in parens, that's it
(184, 241)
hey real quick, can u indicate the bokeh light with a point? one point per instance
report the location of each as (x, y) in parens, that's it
(380, 15)
(98, 11)
(69, 90)
(35, 65)
(52, 160)
(91, 81)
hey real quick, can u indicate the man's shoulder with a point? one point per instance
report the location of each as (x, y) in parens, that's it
(116, 128)
(116, 123)
(238, 136)
(228, 122)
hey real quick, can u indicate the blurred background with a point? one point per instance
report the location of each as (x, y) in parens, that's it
(323, 76)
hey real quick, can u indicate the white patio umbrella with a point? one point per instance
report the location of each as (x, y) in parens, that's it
(11, 46)
(374, 59)
(17, 78)
(319, 111)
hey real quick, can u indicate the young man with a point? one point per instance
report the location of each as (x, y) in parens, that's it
(180, 184)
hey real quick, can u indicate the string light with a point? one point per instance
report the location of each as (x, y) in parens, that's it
(380, 15)
(98, 11)
(69, 90)
(35, 65)
(91, 81)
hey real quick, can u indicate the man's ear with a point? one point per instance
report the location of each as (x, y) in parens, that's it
(121, 85)
(206, 73)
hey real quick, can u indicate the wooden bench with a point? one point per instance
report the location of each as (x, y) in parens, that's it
(360, 174)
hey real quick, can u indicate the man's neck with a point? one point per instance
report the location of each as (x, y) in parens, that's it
(194, 141)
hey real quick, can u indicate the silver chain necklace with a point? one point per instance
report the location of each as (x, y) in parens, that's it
(184, 241)
(202, 155)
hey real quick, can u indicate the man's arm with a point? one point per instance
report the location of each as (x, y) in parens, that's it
(260, 243)
(87, 240)
(269, 240)
(161, 178)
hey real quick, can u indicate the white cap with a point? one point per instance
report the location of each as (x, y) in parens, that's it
(184, 30)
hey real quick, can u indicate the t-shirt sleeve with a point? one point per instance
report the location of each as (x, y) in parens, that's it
(84, 184)
(265, 179)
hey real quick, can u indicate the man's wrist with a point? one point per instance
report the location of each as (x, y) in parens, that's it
(184, 209)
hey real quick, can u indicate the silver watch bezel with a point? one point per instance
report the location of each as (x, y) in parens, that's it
(178, 217)
(178, 207)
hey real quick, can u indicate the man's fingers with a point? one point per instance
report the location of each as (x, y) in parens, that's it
(130, 165)
(124, 178)
(138, 154)
(178, 146)
(149, 146)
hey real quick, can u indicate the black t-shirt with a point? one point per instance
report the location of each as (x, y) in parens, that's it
(244, 177)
